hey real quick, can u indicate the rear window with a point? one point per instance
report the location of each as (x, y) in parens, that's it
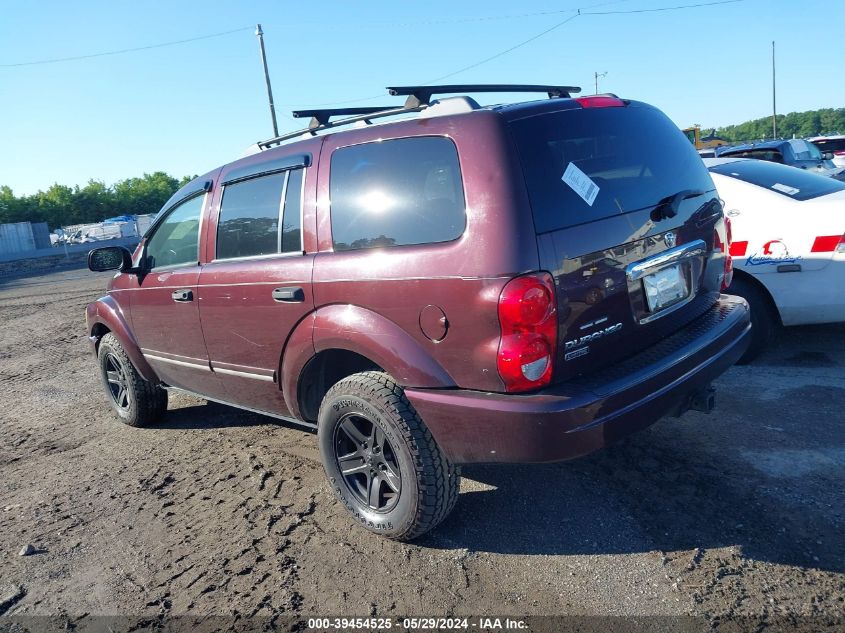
(770, 154)
(831, 144)
(586, 164)
(395, 193)
(791, 182)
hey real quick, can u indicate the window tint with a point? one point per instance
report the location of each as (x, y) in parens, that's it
(831, 145)
(769, 154)
(176, 239)
(292, 224)
(396, 192)
(804, 150)
(633, 157)
(249, 217)
(797, 184)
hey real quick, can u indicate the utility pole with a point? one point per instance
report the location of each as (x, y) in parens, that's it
(774, 103)
(598, 75)
(260, 35)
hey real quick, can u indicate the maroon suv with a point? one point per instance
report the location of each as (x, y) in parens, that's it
(512, 283)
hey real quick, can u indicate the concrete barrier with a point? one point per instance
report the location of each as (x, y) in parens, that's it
(57, 256)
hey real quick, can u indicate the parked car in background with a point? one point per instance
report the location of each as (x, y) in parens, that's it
(788, 246)
(793, 152)
(833, 145)
(515, 283)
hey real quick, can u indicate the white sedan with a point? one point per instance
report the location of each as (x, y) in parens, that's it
(788, 243)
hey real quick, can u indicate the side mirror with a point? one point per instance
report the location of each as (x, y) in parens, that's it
(827, 156)
(110, 258)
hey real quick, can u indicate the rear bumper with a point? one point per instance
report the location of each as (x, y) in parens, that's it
(584, 415)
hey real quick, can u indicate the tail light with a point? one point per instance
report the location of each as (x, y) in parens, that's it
(728, 273)
(528, 318)
(840, 248)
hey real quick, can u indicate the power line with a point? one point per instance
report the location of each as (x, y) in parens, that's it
(125, 50)
(683, 6)
(504, 52)
(578, 13)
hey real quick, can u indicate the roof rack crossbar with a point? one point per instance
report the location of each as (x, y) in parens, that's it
(377, 114)
(320, 117)
(419, 98)
(421, 95)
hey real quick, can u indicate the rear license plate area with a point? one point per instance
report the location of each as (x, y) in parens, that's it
(666, 287)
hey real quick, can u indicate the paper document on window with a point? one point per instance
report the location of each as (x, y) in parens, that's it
(580, 183)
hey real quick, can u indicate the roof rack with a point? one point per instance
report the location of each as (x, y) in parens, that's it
(421, 95)
(376, 114)
(419, 98)
(321, 117)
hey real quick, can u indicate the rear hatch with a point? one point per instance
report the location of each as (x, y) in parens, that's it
(626, 216)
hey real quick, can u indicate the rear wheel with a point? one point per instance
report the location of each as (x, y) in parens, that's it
(764, 319)
(381, 460)
(137, 402)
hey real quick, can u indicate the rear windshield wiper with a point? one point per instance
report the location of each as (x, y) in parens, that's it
(668, 207)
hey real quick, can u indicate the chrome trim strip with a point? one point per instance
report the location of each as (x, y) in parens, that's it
(645, 267)
(251, 257)
(308, 425)
(243, 374)
(181, 363)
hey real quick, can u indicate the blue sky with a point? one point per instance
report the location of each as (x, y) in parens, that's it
(187, 108)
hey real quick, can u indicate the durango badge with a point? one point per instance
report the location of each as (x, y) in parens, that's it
(588, 338)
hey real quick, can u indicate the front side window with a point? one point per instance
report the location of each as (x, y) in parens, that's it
(176, 239)
(395, 193)
(250, 213)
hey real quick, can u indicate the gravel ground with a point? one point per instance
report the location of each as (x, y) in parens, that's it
(218, 512)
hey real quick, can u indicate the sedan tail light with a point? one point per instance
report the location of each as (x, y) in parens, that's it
(728, 272)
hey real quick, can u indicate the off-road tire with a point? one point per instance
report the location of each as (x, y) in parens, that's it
(145, 402)
(429, 481)
(764, 319)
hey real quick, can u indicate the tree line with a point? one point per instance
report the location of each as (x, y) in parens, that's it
(61, 205)
(798, 124)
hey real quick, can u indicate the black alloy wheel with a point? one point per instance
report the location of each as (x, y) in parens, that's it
(117, 381)
(381, 460)
(367, 462)
(135, 401)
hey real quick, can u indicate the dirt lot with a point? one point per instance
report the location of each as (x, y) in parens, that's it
(221, 512)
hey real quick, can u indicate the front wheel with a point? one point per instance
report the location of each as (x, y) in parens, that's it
(381, 460)
(137, 402)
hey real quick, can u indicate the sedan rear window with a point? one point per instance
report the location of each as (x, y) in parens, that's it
(582, 165)
(791, 182)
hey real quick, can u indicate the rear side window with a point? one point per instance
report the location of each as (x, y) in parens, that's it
(250, 214)
(396, 192)
(582, 165)
(797, 184)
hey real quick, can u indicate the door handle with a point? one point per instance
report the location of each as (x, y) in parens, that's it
(289, 294)
(182, 295)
